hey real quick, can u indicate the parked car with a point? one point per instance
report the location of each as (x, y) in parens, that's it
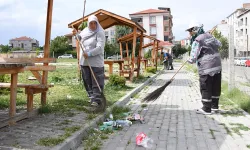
(247, 63)
(243, 61)
(114, 57)
(65, 56)
(237, 62)
(41, 55)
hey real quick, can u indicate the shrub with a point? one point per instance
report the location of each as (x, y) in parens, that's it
(151, 70)
(138, 79)
(116, 80)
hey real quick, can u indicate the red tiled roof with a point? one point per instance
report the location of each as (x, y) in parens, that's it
(165, 43)
(149, 11)
(23, 38)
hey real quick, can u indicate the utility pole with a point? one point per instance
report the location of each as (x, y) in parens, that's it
(231, 79)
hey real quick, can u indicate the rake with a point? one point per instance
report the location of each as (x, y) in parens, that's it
(155, 94)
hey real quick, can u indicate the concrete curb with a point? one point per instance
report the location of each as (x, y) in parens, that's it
(74, 141)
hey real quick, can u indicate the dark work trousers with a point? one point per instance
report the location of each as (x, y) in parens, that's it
(170, 64)
(90, 83)
(210, 88)
(166, 64)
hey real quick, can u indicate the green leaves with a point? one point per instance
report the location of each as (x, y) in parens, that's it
(59, 45)
(178, 50)
(224, 42)
(83, 26)
(4, 49)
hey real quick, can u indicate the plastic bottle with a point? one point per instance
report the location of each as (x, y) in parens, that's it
(124, 123)
(109, 123)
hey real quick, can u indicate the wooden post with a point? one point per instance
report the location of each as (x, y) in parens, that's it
(139, 57)
(30, 102)
(133, 52)
(156, 54)
(13, 93)
(47, 46)
(153, 54)
(121, 50)
(127, 50)
(161, 54)
(78, 58)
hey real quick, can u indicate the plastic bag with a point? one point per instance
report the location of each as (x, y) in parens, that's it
(144, 141)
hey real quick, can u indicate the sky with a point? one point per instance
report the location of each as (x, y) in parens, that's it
(28, 17)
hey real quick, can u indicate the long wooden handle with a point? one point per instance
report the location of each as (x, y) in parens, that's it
(179, 70)
(91, 70)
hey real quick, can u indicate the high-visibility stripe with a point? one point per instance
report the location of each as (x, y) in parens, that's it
(206, 100)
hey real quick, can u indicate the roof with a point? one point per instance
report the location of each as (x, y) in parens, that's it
(23, 38)
(108, 19)
(234, 12)
(160, 45)
(149, 11)
(165, 43)
(244, 13)
(129, 37)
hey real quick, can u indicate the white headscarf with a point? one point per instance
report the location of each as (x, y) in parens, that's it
(87, 32)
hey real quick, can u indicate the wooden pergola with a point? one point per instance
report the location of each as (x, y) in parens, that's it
(129, 37)
(14, 66)
(108, 19)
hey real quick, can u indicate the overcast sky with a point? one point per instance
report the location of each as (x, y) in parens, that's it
(27, 17)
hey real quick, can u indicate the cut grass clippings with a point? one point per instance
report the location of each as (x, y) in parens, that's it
(94, 139)
(226, 128)
(239, 127)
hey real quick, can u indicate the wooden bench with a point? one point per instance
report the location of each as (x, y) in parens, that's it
(30, 90)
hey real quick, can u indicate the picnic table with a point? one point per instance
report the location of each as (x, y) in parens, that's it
(13, 69)
(111, 63)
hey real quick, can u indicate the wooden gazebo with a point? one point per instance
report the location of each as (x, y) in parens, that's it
(108, 19)
(129, 38)
(14, 66)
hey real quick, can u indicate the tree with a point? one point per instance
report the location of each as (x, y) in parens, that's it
(4, 48)
(59, 45)
(148, 54)
(178, 50)
(120, 31)
(111, 49)
(224, 44)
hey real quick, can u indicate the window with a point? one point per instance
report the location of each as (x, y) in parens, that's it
(165, 17)
(246, 21)
(165, 38)
(152, 20)
(165, 28)
(152, 30)
(106, 33)
(246, 31)
(112, 33)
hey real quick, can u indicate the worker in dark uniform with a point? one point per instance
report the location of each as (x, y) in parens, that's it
(205, 53)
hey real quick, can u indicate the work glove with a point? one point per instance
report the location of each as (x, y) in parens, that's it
(190, 61)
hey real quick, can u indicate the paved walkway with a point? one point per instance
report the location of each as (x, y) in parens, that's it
(172, 123)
